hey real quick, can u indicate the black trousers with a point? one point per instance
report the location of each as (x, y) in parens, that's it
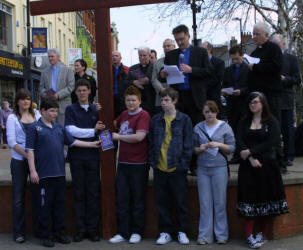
(86, 184)
(214, 94)
(275, 105)
(52, 206)
(187, 105)
(288, 133)
(167, 186)
(131, 181)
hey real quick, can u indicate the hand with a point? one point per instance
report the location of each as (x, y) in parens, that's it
(185, 68)
(250, 66)
(98, 105)
(237, 92)
(138, 84)
(255, 162)
(214, 144)
(3, 127)
(244, 154)
(34, 177)
(163, 74)
(99, 127)
(115, 136)
(203, 147)
(224, 93)
(282, 77)
(144, 80)
(56, 96)
(96, 144)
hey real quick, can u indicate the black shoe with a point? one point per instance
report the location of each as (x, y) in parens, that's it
(47, 243)
(61, 238)
(79, 237)
(94, 236)
(234, 161)
(289, 163)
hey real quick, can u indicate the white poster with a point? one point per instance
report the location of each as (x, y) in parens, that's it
(72, 55)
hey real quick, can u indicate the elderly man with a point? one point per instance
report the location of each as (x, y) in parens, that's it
(213, 90)
(121, 82)
(168, 45)
(197, 71)
(290, 77)
(140, 75)
(5, 112)
(58, 81)
(265, 76)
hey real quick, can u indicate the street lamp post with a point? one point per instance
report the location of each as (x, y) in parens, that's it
(241, 32)
(28, 29)
(195, 9)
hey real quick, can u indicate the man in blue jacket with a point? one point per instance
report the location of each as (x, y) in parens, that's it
(170, 151)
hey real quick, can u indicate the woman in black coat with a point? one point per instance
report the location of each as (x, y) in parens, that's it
(260, 188)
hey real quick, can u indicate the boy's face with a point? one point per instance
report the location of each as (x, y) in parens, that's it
(167, 103)
(132, 103)
(82, 93)
(50, 114)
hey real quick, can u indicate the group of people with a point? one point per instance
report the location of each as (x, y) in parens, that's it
(170, 128)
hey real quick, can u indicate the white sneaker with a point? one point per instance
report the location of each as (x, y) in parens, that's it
(135, 238)
(260, 238)
(116, 239)
(163, 239)
(252, 243)
(182, 238)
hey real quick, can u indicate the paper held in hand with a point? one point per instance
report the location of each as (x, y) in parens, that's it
(251, 60)
(175, 76)
(228, 91)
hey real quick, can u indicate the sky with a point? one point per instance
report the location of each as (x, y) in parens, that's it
(139, 27)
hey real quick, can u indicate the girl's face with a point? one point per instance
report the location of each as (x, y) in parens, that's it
(208, 114)
(78, 67)
(255, 105)
(24, 104)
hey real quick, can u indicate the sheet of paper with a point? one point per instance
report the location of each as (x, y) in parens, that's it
(175, 76)
(212, 151)
(251, 60)
(106, 140)
(228, 91)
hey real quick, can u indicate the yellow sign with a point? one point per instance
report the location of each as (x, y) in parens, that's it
(10, 63)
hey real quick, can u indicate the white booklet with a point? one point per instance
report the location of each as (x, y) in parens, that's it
(228, 91)
(251, 60)
(175, 76)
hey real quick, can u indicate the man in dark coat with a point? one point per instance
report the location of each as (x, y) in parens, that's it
(141, 75)
(121, 82)
(290, 77)
(214, 89)
(235, 77)
(197, 70)
(265, 76)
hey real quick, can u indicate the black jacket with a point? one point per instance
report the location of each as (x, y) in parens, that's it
(291, 71)
(266, 75)
(218, 66)
(202, 72)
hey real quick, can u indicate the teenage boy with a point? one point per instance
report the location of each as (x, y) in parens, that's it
(170, 151)
(81, 121)
(45, 142)
(132, 171)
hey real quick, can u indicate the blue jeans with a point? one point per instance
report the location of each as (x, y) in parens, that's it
(212, 185)
(19, 172)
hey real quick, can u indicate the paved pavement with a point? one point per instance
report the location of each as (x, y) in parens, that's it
(293, 243)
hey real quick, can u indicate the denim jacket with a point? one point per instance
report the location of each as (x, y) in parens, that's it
(181, 145)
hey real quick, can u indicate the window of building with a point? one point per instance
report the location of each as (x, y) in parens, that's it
(64, 46)
(6, 30)
(50, 34)
(42, 22)
(24, 25)
(60, 41)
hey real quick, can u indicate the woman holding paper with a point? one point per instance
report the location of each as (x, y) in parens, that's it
(213, 139)
(260, 188)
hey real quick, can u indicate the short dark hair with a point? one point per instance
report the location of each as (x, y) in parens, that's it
(266, 114)
(132, 90)
(181, 28)
(83, 63)
(48, 102)
(153, 51)
(82, 82)
(236, 50)
(213, 107)
(172, 93)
